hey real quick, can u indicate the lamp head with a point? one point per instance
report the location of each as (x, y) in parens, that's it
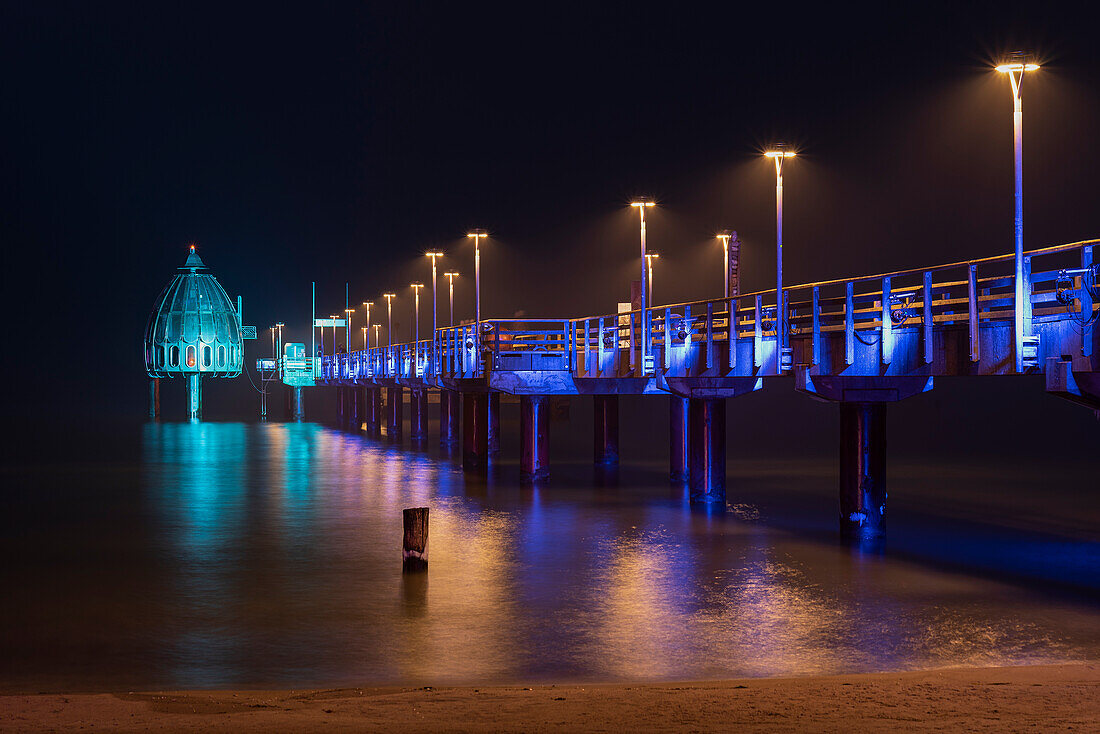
(1017, 66)
(477, 233)
(724, 235)
(388, 296)
(780, 153)
(368, 303)
(433, 254)
(642, 201)
(452, 274)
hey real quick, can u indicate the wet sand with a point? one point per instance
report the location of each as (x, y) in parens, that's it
(1045, 698)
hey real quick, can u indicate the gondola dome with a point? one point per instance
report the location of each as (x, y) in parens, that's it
(194, 327)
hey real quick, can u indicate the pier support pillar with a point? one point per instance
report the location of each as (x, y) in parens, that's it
(605, 429)
(678, 438)
(475, 430)
(862, 469)
(395, 411)
(194, 397)
(494, 423)
(154, 398)
(374, 410)
(297, 405)
(534, 461)
(448, 417)
(358, 408)
(341, 407)
(418, 414)
(707, 437)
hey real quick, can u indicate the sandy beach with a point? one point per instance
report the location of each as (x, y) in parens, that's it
(1045, 698)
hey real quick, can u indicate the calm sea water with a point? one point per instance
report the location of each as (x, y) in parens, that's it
(230, 555)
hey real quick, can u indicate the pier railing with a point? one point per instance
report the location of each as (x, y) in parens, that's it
(700, 337)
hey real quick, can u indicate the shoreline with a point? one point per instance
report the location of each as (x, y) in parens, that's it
(976, 699)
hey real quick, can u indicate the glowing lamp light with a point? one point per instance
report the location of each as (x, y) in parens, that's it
(642, 203)
(780, 154)
(1006, 68)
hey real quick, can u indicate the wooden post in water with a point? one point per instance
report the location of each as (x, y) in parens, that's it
(414, 546)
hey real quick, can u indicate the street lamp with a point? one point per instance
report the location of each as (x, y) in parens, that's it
(389, 316)
(725, 235)
(435, 325)
(279, 325)
(273, 355)
(367, 305)
(477, 235)
(642, 204)
(649, 258)
(416, 310)
(779, 154)
(451, 283)
(365, 345)
(1016, 69)
(347, 326)
(333, 317)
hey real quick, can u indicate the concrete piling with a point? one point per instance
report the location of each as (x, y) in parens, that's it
(605, 429)
(533, 434)
(448, 417)
(678, 438)
(418, 414)
(395, 413)
(862, 469)
(475, 430)
(707, 439)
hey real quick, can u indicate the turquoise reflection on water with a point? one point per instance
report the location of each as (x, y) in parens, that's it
(269, 555)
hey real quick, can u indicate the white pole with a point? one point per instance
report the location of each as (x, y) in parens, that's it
(1018, 142)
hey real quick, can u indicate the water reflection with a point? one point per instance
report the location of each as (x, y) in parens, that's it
(278, 552)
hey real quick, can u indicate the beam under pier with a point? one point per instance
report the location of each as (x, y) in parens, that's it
(605, 429)
(534, 463)
(707, 439)
(862, 469)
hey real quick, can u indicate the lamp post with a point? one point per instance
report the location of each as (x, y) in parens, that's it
(435, 324)
(367, 305)
(376, 328)
(389, 316)
(333, 317)
(416, 310)
(365, 345)
(273, 355)
(451, 285)
(347, 326)
(279, 355)
(477, 235)
(642, 204)
(725, 235)
(649, 258)
(1016, 69)
(778, 155)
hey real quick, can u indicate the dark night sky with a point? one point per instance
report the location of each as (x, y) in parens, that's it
(338, 141)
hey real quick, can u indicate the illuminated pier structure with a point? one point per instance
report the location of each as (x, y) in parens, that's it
(193, 331)
(862, 343)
